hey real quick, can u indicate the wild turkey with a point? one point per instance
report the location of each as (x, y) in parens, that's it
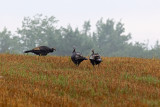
(95, 58)
(41, 50)
(77, 57)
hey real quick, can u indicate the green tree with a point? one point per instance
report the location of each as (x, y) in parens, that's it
(86, 27)
(70, 38)
(75, 38)
(16, 45)
(5, 40)
(133, 50)
(111, 37)
(155, 51)
(38, 31)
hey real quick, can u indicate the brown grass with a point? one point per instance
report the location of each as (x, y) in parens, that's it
(55, 81)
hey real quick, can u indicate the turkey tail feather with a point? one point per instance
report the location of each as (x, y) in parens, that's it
(27, 51)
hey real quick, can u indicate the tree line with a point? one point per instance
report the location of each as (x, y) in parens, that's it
(109, 39)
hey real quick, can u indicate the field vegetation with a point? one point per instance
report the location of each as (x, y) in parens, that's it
(27, 80)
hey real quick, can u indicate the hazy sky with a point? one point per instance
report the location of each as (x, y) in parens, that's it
(140, 17)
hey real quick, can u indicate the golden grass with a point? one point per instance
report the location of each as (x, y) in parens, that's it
(55, 81)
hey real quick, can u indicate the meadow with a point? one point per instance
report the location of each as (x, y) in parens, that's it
(49, 81)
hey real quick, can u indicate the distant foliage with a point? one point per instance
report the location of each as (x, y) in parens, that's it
(109, 39)
(37, 31)
(5, 40)
(9, 42)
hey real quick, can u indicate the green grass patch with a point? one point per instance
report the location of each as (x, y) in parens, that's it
(149, 79)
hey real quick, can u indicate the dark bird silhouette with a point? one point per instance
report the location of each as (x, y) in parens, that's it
(77, 57)
(41, 50)
(95, 58)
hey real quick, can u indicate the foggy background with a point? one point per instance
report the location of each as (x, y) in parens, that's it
(111, 27)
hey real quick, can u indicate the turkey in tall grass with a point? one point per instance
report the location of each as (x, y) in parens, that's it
(41, 50)
(77, 57)
(95, 58)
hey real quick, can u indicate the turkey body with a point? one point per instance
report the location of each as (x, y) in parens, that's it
(95, 58)
(41, 50)
(77, 57)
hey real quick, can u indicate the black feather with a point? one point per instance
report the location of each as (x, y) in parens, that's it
(77, 57)
(95, 58)
(41, 50)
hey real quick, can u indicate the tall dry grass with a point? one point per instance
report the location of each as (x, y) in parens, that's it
(27, 80)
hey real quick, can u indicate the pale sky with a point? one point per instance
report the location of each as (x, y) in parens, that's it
(141, 18)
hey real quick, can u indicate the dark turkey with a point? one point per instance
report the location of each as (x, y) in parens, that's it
(77, 57)
(95, 58)
(41, 50)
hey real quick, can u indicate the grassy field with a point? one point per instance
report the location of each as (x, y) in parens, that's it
(27, 80)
